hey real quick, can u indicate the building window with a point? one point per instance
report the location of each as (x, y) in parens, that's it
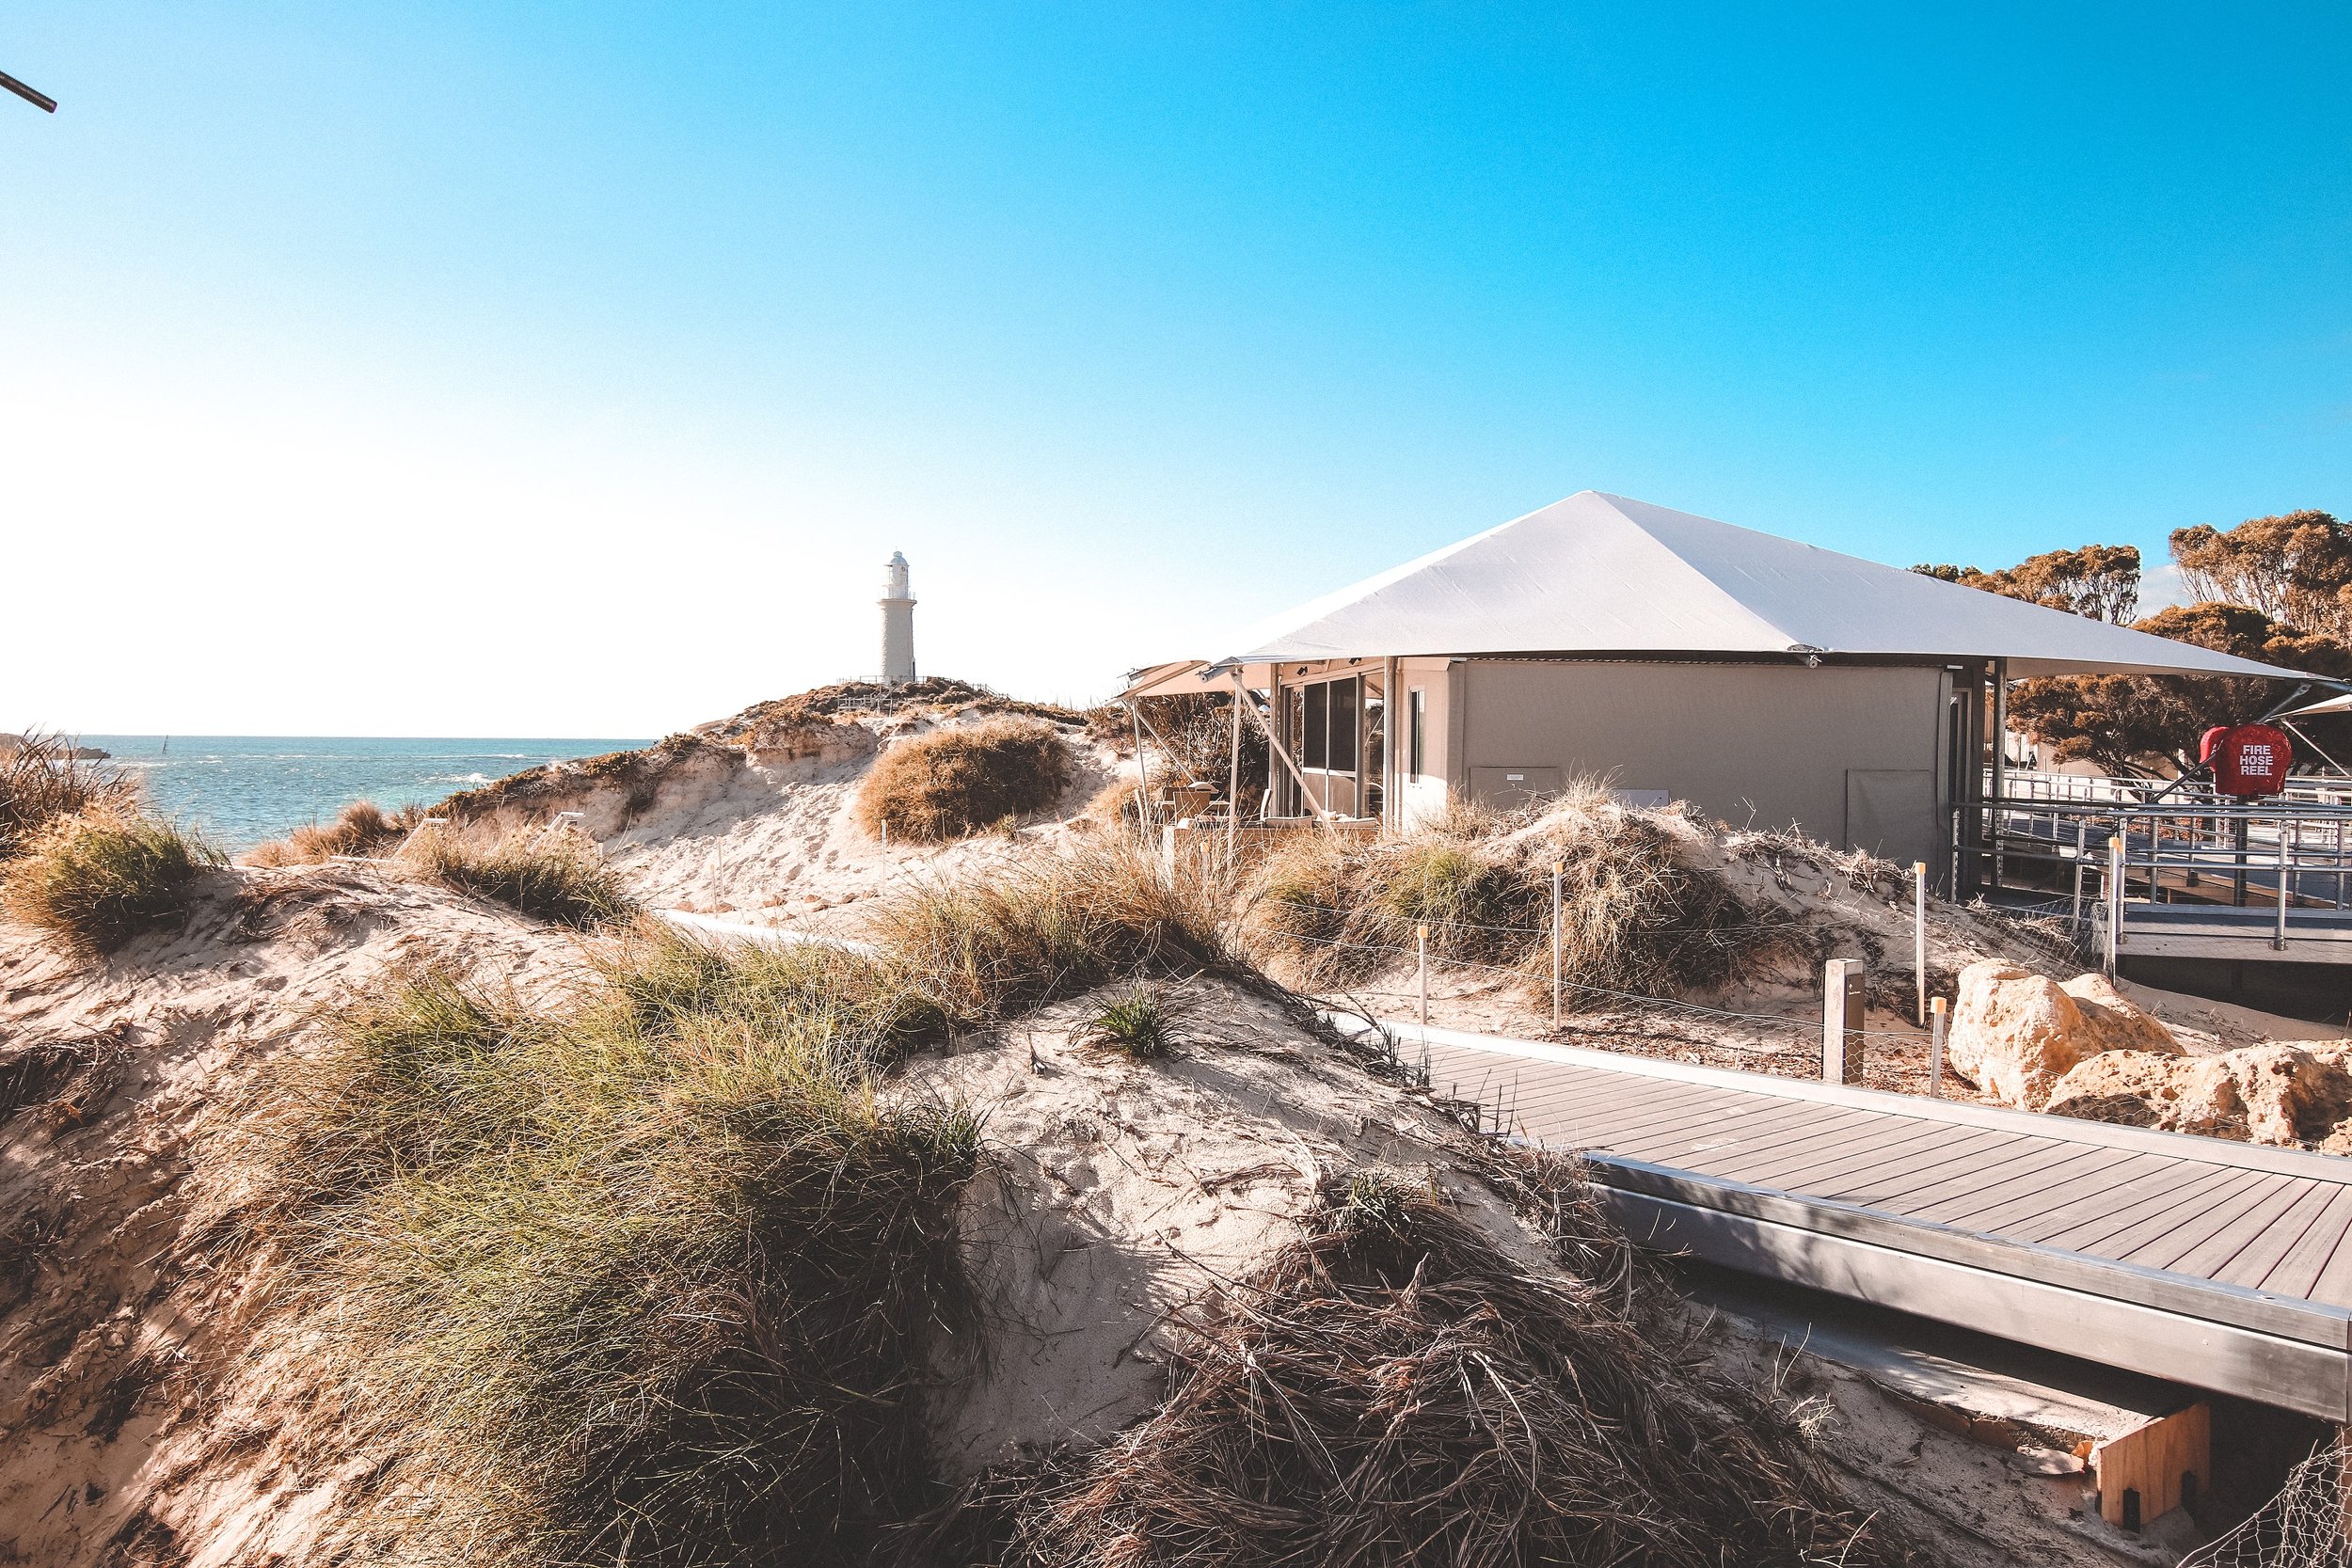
(1316, 753)
(1417, 731)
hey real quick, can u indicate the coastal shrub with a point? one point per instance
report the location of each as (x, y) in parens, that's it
(1635, 917)
(44, 779)
(561, 877)
(959, 781)
(991, 941)
(1398, 1389)
(648, 1277)
(361, 828)
(97, 879)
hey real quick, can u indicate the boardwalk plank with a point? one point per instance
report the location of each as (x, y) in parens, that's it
(2282, 1240)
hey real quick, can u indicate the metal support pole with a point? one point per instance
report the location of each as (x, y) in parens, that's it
(1392, 809)
(2241, 838)
(2000, 759)
(1556, 869)
(1919, 932)
(1421, 939)
(1936, 1050)
(2115, 900)
(1841, 1020)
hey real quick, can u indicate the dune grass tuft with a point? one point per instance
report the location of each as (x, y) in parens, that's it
(1141, 1020)
(42, 780)
(990, 943)
(561, 877)
(648, 1277)
(1634, 916)
(361, 828)
(956, 782)
(97, 879)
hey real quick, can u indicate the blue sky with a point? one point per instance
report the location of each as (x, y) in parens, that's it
(572, 369)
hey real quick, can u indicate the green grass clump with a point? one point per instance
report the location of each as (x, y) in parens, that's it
(561, 877)
(100, 878)
(1054, 927)
(649, 1279)
(1141, 1020)
(959, 780)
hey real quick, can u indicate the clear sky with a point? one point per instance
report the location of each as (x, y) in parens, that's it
(479, 369)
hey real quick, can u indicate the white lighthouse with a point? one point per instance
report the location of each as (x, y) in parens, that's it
(897, 608)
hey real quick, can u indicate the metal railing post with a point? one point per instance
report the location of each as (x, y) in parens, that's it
(2082, 848)
(2286, 890)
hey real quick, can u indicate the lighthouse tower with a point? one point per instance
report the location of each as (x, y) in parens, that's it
(897, 608)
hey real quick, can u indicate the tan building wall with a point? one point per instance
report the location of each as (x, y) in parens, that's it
(1851, 756)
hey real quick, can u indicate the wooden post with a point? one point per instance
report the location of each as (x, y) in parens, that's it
(1556, 869)
(1841, 1020)
(1420, 937)
(1919, 932)
(2143, 1472)
(1143, 776)
(1936, 1050)
(1232, 785)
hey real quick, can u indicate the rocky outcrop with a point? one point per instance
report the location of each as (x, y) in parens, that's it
(2266, 1094)
(2015, 1034)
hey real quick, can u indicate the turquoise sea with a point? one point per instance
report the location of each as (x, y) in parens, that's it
(241, 789)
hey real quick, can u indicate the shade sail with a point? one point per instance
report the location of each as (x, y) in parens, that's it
(1599, 574)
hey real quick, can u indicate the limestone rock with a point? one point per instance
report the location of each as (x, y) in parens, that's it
(2114, 1020)
(2015, 1034)
(2266, 1094)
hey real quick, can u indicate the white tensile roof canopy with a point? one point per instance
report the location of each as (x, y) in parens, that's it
(1598, 574)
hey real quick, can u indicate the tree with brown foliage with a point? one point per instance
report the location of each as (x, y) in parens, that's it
(2146, 724)
(2296, 568)
(2099, 581)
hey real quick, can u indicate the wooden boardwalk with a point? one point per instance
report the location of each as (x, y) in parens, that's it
(2221, 1264)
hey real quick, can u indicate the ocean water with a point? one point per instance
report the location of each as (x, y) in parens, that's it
(242, 789)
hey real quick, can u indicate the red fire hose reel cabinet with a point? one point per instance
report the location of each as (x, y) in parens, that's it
(2247, 760)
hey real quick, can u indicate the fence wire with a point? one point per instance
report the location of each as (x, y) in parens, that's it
(2305, 1526)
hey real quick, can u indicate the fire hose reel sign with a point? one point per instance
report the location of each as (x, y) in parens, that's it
(2246, 759)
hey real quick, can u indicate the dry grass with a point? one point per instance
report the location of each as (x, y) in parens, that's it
(561, 877)
(647, 1278)
(1396, 1391)
(96, 879)
(990, 943)
(361, 828)
(1634, 917)
(41, 781)
(953, 783)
